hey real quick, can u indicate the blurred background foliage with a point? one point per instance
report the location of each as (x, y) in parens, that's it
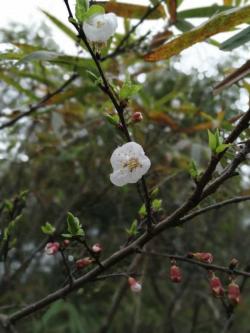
(57, 160)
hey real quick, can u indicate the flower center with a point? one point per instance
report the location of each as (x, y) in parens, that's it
(99, 24)
(132, 164)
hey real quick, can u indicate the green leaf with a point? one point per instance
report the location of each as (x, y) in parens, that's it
(212, 140)
(192, 169)
(14, 83)
(237, 40)
(39, 55)
(129, 89)
(10, 228)
(132, 231)
(112, 119)
(74, 225)
(48, 229)
(155, 192)
(142, 211)
(222, 147)
(80, 9)
(200, 12)
(183, 25)
(221, 22)
(57, 58)
(157, 205)
(93, 10)
(62, 27)
(67, 235)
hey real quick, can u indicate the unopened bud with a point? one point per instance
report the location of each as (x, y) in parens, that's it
(66, 242)
(137, 117)
(52, 248)
(233, 263)
(202, 256)
(135, 286)
(84, 262)
(97, 248)
(233, 293)
(216, 286)
(175, 274)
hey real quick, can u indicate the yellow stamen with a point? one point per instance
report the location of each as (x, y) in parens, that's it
(132, 164)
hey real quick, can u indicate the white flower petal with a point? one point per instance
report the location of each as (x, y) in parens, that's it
(129, 163)
(133, 148)
(119, 178)
(146, 164)
(99, 28)
(117, 158)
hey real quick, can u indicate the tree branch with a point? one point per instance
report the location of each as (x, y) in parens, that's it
(40, 104)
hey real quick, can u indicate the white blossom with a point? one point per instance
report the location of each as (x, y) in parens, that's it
(129, 164)
(99, 28)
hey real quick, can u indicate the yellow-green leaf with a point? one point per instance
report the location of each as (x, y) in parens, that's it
(131, 11)
(221, 22)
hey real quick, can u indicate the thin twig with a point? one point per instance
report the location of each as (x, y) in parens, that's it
(207, 266)
(40, 104)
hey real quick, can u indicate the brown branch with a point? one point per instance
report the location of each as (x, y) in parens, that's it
(40, 104)
(66, 265)
(211, 267)
(168, 222)
(214, 206)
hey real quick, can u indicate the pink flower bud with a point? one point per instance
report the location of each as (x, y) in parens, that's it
(52, 248)
(97, 248)
(216, 286)
(66, 242)
(175, 274)
(202, 256)
(233, 293)
(84, 262)
(137, 117)
(135, 286)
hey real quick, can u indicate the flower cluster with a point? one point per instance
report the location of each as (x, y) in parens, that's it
(129, 164)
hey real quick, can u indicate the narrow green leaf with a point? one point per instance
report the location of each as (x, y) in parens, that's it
(183, 25)
(202, 11)
(12, 82)
(142, 211)
(212, 141)
(61, 25)
(221, 22)
(237, 40)
(192, 169)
